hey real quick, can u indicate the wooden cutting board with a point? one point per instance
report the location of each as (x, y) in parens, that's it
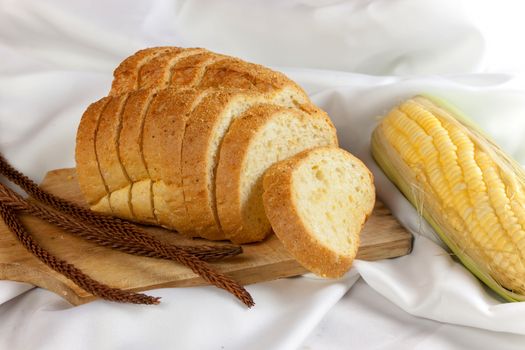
(381, 238)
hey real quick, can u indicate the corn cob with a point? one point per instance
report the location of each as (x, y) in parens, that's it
(463, 184)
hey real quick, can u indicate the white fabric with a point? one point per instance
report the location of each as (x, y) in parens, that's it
(57, 57)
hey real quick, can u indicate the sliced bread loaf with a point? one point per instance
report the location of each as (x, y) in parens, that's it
(138, 134)
(264, 135)
(317, 203)
(122, 161)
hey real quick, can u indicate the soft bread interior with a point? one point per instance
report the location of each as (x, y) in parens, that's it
(282, 132)
(333, 194)
(288, 134)
(202, 212)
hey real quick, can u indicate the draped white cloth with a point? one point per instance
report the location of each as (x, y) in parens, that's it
(356, 59)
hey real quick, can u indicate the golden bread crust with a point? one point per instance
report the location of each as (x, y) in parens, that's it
(126, 75)
(106, 148)
(156, 73)
(131, 154)
(163, 134)
(195, 164)
(90, 180)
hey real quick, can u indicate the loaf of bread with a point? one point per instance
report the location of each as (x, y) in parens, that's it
(317, 202)
(219, 148)
(149, 152)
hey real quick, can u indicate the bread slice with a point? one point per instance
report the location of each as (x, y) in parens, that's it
(264, 135)
(317, 203)
(89, 177)
(164, 128)
(126, 75)
(106, 148)
(205, 130)
(131, 155)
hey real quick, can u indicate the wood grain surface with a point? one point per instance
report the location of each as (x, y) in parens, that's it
(382, 237)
